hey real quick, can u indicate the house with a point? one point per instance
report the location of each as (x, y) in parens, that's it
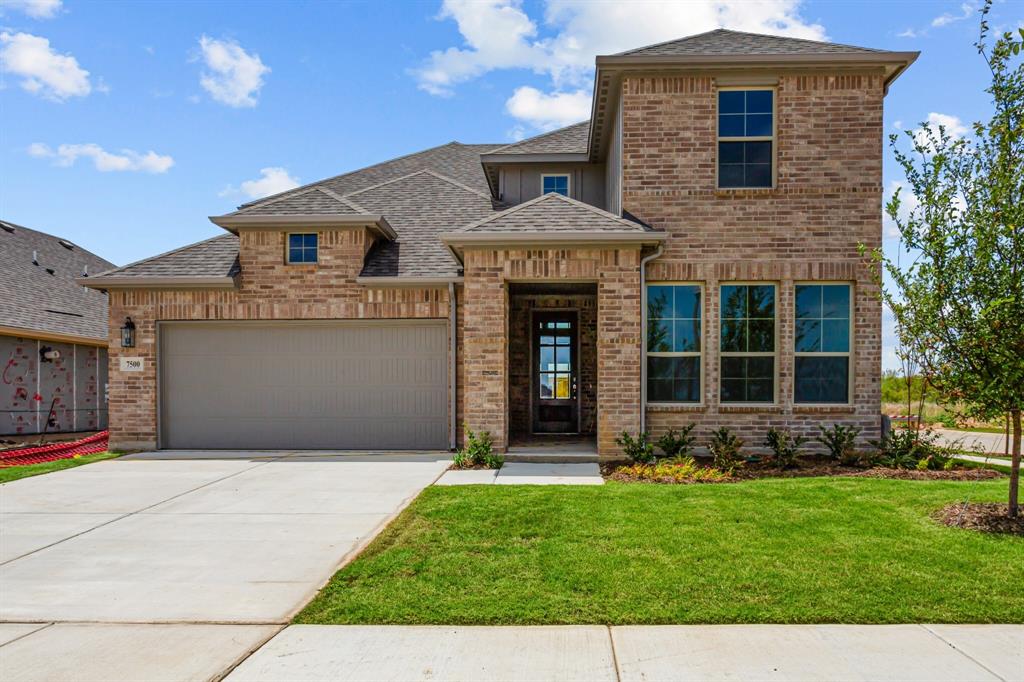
(53, 335)
(688, 254)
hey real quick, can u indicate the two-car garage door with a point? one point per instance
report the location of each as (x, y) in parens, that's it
(302, 385)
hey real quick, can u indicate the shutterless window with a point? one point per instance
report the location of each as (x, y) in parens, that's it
(556, 183)
(673, 343)
(745, 138)
(747, 343)
(822, 343)
(302, 248)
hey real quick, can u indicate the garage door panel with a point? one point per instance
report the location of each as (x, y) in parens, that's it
(295, 386)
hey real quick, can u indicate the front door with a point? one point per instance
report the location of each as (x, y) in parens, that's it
(555, 396)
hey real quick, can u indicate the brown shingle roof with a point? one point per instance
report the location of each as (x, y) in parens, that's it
(725, 42)
(36, 300)
(313, 201)
(569, 140)
(553, 213)
(215, 257)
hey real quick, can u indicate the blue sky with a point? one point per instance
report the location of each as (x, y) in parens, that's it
(123, 125)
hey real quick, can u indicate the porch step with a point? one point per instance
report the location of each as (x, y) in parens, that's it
(552, 456)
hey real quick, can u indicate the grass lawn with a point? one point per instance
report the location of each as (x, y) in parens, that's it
(847, 550)
(14, 473)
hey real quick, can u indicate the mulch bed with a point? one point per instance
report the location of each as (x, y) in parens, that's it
(987, 517)
(816, 467)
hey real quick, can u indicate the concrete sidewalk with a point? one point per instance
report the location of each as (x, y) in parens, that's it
(935, 653)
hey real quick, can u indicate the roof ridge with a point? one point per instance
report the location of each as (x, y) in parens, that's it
(421, 171)
(313, 185)
(626, 53)
(159, 255)
(858, 48)
(453, 181)
(506, 212)
(337, 197)
(498, 150)
(594, 209)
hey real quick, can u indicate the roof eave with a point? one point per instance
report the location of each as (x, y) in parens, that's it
(129, 282)
(759, 59)
(455, 239)
(234, 223)
(58, 337)
(581, 157)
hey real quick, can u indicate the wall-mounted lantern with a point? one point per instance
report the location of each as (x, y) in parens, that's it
(128, 333)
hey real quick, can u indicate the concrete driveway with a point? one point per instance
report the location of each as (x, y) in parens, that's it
(214, 547)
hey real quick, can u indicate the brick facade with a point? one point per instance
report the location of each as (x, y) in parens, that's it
(269, 290)
(827, 201)
(617, 274)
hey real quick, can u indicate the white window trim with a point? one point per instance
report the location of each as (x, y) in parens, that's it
(822, 354)
(761, 354)
(288, 253)
(568, 182)
(688, 354)
(773, 138)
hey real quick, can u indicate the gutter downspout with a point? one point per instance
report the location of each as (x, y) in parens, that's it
(643, 332)
(452, 441)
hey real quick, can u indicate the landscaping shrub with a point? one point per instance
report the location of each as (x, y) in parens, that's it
(785, 446)
(910, 449)
(637, 449)
(677, 443)
(841, 442)
(725, 447)
(679, 470)
(478, 450)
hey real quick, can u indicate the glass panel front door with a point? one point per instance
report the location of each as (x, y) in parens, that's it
(555, 401)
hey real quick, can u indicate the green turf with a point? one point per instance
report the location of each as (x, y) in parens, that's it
(848, 550)
(8, 474)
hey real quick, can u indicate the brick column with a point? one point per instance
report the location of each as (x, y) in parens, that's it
(485, 324)
(618, 349)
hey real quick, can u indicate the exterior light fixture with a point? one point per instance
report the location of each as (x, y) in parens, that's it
(128, 333)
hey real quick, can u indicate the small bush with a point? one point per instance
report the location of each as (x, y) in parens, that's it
(841, 442)
(909, 449)
(725, 448)
(678, 443)
(947, 420)
(637, 449)
(678, 470)
(478, 450)
(785, 446)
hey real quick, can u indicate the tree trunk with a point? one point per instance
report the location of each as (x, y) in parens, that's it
(1015, 465)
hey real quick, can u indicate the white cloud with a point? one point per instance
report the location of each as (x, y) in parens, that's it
(499, 34)
(125, 160)
(953, 126)
(272, 180)
(548, 111)
(908, 203)
(37, 9)
(232, 76)
(43, 71)
(966, 10)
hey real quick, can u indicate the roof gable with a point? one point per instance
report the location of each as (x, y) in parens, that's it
(725, 42)
(552, 213)
(568, 140)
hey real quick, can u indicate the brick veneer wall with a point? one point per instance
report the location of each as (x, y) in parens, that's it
(269, 290)
(826, 202)
(521, 367)
(486, 320)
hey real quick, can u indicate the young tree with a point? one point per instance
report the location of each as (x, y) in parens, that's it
(961, 299)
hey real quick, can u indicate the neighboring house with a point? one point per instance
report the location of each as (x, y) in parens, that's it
(53, 335)
(722, 185)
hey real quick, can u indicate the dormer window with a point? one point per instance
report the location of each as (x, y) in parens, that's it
(559, 184)
(302, 248)
(746, 138)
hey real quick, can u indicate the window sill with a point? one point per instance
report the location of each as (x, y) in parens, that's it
(750, 408)
(743, 191)
(676, 407)
(824, 409)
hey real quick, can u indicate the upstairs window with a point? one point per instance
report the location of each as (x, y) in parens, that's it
(746, 138)
(559, 184)
(821, 343)
(302, 248)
